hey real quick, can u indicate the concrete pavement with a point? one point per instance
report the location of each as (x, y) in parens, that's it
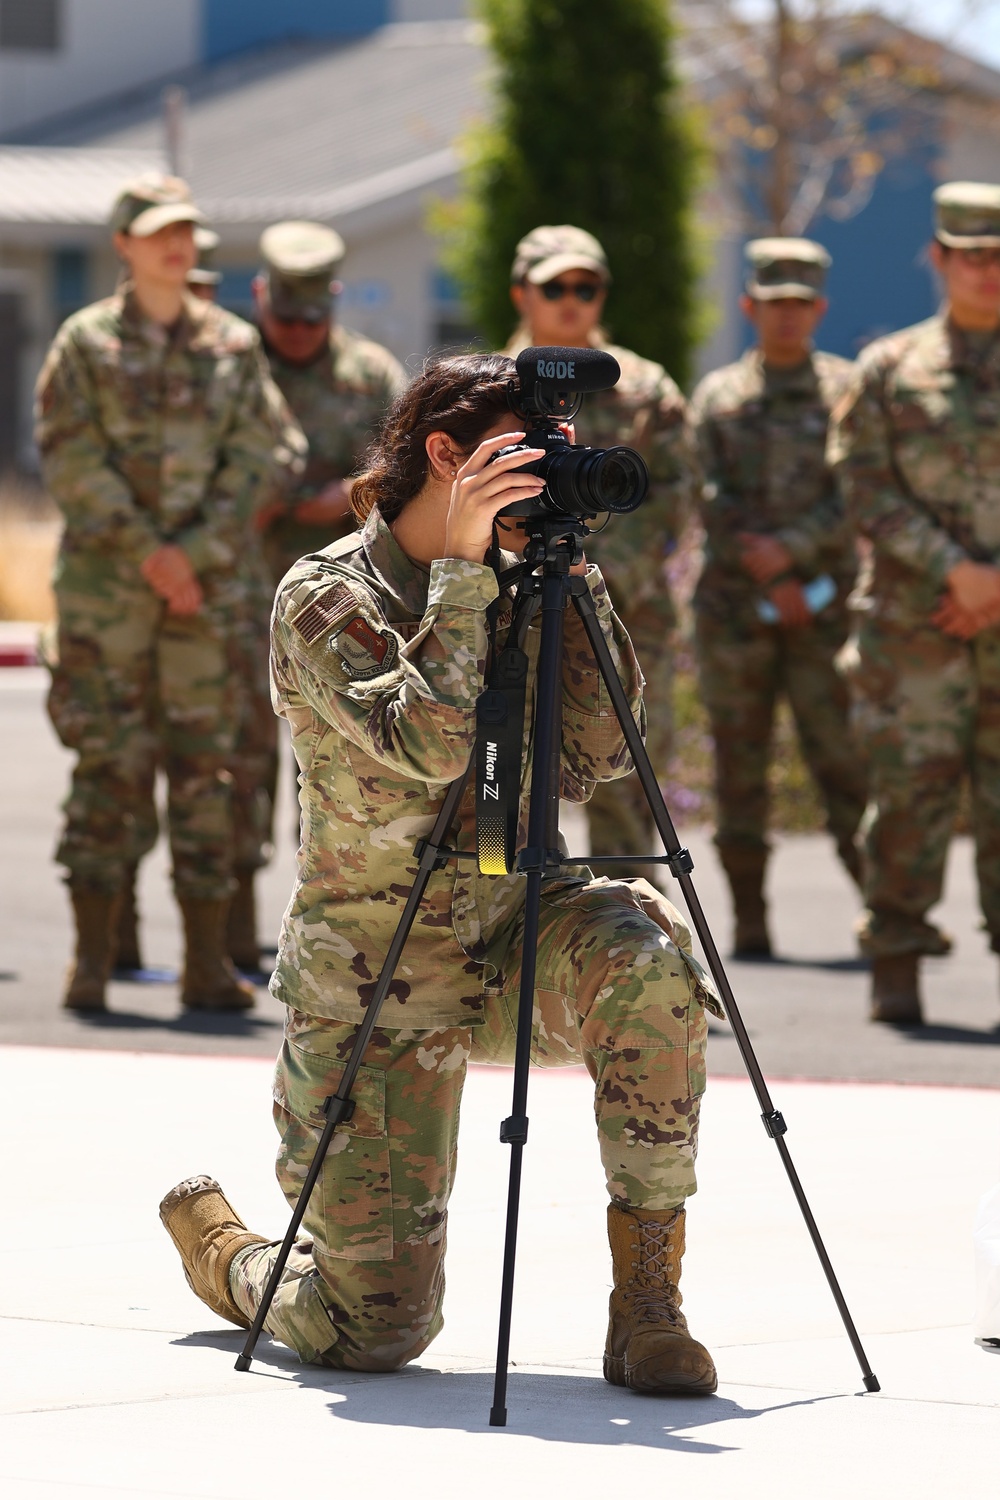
(118, 1383)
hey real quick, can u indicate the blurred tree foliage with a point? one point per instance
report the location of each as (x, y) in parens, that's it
(807, 100)
(589, 129)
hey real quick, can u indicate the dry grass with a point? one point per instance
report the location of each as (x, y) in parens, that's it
(29, 538)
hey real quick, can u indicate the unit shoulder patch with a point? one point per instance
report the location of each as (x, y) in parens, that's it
(365, 651)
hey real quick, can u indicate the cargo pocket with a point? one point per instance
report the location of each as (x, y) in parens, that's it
(350, 1215)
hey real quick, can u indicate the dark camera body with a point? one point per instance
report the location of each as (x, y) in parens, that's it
(580, 482)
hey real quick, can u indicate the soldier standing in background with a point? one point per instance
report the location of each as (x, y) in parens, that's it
(158, 429)
(917, 446)
(338, 384)
(559, 284)
(771, 602)
(202, 281)
(253, 764)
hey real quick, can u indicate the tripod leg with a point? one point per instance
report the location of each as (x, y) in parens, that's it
(339, 1107)
(680, 866)
(543, 837)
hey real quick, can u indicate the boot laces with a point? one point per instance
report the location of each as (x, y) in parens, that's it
(653, 1290)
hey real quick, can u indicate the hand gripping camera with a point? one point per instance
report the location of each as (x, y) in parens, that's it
(580, 482)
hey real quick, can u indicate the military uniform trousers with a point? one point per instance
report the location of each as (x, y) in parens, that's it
(135, 688)
(743, 667)
(618, 814)
(253, 762)
(927, 708)
(366, 1291)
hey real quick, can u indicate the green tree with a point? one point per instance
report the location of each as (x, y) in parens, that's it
(587, 129)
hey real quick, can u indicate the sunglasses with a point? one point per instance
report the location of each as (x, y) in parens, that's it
(583, 291)
(979, 256)
(297, 322)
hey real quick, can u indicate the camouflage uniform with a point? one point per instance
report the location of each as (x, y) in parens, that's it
(339, 401)
(377, 667)
(917, 447)
(645, 411)
(147, 436)
(761, 435)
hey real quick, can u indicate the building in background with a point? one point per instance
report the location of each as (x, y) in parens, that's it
(348, 111)
(344, 111)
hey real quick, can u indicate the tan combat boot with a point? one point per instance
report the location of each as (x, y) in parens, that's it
(649, 1348)
(210, 981)
(241, 924)
(895, 990)
(96, 916)
(127, 955)
(208, 1232)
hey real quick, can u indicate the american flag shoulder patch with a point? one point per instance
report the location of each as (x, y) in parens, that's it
(320, 615)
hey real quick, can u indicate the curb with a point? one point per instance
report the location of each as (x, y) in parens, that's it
(19, 643)
(19, 656)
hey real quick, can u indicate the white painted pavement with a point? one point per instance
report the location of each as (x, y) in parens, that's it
(118, 1383)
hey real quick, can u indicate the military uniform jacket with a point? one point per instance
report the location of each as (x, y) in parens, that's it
(645, 411)
(339, 401)
(151, 435)
(377, 665)
(916, 443)
(761, 439)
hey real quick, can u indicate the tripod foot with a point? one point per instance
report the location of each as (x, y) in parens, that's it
(498, 1416)
(243, 1363)
(871, 1383)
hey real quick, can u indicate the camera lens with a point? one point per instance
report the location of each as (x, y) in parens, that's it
(590, 481)
(617, 480)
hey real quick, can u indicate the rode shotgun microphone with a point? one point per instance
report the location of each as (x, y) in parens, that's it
(552, 379)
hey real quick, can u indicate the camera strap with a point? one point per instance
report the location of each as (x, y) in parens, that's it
(500, 739)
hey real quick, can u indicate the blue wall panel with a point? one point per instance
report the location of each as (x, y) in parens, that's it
(70, 280)
(881, 277)
(233, 25)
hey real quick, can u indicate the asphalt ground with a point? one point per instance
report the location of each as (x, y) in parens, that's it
(806, 1012)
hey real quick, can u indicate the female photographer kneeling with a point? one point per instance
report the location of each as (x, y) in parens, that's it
(379, 654)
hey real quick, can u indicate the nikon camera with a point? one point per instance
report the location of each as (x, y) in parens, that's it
(580, 482)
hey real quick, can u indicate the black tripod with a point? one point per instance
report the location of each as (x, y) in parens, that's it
(555, 545)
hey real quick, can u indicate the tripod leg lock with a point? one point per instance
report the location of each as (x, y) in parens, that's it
(345, 1108)
(430, 855)
(539, 861)
(680, 863)
(514, 1130)
(774, 1123)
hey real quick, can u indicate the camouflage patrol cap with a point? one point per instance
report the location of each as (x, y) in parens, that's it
(783, 267)
(206, 243)
(967, 214)
(553, 248)
(299, 261)
(152, 202)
